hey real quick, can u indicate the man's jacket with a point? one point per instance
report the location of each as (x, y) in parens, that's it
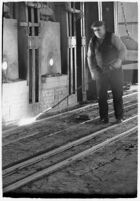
(102, 54)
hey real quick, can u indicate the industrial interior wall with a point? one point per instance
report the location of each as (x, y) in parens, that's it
(14, 91)
(53, 90)
(10, 48)
(130, 10)
(131, 15)
(15, 104)
(15, 99)
(50, 58)
(15, 94)
(54, 86)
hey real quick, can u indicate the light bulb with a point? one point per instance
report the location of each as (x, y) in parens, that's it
(51, 62)
(4, 65)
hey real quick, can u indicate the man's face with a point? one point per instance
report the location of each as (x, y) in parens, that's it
(99, 31)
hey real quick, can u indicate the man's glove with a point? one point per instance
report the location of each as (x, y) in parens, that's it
(116, 65)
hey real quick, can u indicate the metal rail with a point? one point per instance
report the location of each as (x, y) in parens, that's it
(61, 148)
(96, 118)
(6, 132)
(62, 130)
(109, 113)
(69, 160)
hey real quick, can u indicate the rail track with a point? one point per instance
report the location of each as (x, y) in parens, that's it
(63, 115)
(8, 138)
(29, 170)
(62, 130)
(64, 146)
(29, 147)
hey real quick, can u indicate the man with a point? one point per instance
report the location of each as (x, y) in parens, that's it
(105, 55)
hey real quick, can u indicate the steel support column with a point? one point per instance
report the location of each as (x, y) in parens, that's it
(83, 52)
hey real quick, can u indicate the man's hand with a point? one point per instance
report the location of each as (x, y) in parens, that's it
(92, 76)
(117, 64)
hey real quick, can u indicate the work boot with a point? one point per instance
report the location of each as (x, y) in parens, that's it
(104, 120)
(119, 120)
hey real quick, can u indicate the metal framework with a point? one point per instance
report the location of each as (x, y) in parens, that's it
(71, 50)
(83, 51)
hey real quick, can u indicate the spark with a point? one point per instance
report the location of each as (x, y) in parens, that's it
(27, 121)
(31, 120)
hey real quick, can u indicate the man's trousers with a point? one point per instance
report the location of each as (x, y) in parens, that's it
(114, 79)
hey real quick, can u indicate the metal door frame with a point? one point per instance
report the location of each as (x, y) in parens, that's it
(33, 57)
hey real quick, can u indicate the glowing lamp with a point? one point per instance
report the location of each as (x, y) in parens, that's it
(51, 62)
(4, 71)
(4, 65)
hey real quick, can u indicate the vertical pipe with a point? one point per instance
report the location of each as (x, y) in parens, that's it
(68, 64)
(37, 75)
(84, 47)
(30, 76)
(83, 53)
(75, 55)
(116, 17)
(39, 56)
(71, 69)
(100, 16)
(75, 52)
(82, 66)
(33, 76)
(27, 32)
(33, 57)
(71, 52)
(69, 46)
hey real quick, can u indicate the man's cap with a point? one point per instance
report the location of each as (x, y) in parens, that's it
(97, 24)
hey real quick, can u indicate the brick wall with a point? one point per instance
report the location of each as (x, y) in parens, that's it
(55, 89)
(15, 98)
(14, 101)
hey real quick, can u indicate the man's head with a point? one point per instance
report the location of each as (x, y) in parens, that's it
(99, 29)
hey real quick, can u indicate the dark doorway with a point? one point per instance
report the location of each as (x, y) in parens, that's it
(108, 15)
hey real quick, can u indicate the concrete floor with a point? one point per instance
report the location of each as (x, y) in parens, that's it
(110, 172)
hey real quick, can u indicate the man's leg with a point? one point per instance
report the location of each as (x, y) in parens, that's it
(102, 86)
(116, 82)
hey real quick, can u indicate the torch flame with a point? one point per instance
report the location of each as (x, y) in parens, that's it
(31, 120)
(27, 121)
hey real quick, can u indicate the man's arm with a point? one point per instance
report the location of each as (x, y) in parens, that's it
(116, 41)
(91, 59)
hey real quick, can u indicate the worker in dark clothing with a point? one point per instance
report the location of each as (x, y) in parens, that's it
(105, 55)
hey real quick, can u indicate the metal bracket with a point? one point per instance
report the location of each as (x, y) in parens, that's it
(83, 40)
(27, 25)
(33, 42)
(72, 42)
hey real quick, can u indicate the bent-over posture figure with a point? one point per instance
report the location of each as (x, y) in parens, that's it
(105, 55)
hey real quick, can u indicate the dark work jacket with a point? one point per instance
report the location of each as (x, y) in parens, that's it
(104, 51)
